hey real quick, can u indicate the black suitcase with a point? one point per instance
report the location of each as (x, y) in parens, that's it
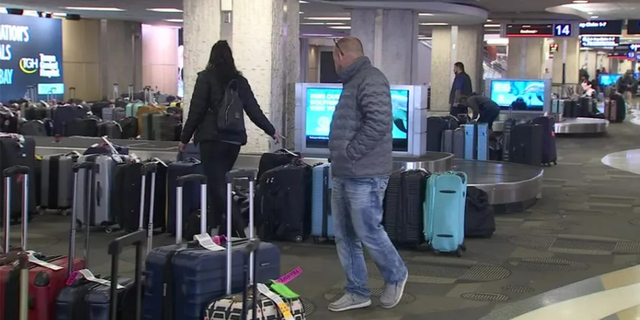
(525, 146)
(16, 150)
(479, 221)
(584, 107)
(404, 207)
(273, 160)
(285, 203)
(129, 127)
(164, 127)
(615, 108)
(34, 128)
(87, 127)
(549, 152)
(190, 205)
(8, 121)
(127, 194)
(436, 127)
(111, 129)
(96, 108)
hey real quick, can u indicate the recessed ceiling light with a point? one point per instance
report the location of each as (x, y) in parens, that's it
(94, 9)
(492, 25)
(580, 1)
(341, 27)
(590, 12)
(425, 14)
(424, 38)
(165, 10)
(489, 20)
(30, 13)
(174, 20)
(302, 1)
(301, 12)
(59, 14)
(595, 17)
(329, 18)
(434, 24)
(322, 23)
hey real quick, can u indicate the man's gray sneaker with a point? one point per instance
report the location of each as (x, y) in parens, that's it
(392, 294)
(349, 301)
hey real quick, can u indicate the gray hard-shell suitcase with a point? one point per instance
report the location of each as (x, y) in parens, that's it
(447, 141)
(101, 213)
(56, 186)
(458, 143)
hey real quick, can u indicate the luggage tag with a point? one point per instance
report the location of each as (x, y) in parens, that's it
(289, 276)
(87, 275)
(44, 264)
(283, 290)
(284, 308)
(206, 242)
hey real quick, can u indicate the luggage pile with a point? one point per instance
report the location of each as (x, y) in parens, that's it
(529, 142)
(123, 117)
(458, 136)
(211, 268)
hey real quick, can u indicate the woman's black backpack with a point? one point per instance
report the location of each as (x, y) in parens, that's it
(231, 110)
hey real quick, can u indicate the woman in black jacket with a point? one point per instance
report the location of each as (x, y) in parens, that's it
(219, 149)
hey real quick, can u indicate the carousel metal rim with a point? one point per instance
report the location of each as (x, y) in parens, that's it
(581, 126)
(538, 175)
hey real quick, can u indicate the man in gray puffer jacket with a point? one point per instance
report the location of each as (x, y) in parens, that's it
(361, 145)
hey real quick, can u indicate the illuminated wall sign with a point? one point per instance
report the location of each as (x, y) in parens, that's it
(30, 54)
(633, 26)
(608, 27)
(599, 42)
(529, 30)
(634, 46)
(563, 30)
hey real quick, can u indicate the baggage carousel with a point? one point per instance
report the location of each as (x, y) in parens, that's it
(570, 126)
(511, 187)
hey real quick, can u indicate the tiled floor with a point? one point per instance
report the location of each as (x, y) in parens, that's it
(587, 224)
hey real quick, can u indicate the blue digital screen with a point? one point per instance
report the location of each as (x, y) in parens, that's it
(519, 94)
(322, 102)
(30, 55)
(609, 79)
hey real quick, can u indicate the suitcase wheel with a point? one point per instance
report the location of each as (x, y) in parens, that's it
(298, 239)
(65, 212)
(463, 247)
(41, 211)
(108, 229)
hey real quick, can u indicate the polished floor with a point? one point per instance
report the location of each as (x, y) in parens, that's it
(571, 256)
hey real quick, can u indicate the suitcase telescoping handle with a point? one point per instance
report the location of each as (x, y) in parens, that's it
(89, 167)
(7, 174)
(147, 168)
(181, 182)
(231, 177)
(136, 239)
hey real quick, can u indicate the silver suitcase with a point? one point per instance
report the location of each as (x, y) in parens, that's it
(99, 185)
(458, 143)
(56, 188)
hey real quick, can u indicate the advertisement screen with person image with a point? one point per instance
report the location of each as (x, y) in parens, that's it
(321, 103)
(519, 94)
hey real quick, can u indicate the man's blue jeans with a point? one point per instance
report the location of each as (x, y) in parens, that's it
(357, 207)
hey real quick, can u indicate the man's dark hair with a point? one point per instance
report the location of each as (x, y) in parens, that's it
(460, 65)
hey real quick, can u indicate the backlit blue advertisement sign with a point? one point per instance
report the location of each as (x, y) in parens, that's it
(30, 55)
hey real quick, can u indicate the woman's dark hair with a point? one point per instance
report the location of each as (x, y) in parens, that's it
(221, 62)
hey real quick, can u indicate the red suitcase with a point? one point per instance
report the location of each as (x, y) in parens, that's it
(44, 282)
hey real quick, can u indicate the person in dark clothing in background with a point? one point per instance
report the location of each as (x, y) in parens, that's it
(219, 149)
(484, 109)
(461, 87)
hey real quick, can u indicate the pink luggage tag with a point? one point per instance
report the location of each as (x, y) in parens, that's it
(290, 276)
(72, 278)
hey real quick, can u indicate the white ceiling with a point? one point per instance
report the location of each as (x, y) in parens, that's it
(500, 10)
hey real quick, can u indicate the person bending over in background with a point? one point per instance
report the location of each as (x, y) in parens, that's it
(461, 88)
(219, 149)
(360, 145)
(484, 109)
(626, 83)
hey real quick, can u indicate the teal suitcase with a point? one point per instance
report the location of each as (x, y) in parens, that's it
(444, 210)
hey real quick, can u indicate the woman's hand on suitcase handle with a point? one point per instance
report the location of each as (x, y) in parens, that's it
(181, 146)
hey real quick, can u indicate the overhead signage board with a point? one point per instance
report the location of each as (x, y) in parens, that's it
(529, 30)
(634, 46)
(30, 55)
(563, 30)
(604, 27)
(599, 41)
(633, 26)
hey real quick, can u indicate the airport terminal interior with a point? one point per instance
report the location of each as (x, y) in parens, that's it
(559, 166)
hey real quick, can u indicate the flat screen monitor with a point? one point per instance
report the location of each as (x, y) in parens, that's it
(321, 103)
(607, 80)
(520, 94)
(316, 103)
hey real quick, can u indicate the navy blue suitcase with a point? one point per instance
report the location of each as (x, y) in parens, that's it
(182, 279)
(192, 191)
(191, 151)
(65, 115)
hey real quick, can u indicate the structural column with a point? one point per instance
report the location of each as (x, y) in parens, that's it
(201, 31)
(450, 45)
(390, 40)
(526, 58)
(266, 49)
(568, 55)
